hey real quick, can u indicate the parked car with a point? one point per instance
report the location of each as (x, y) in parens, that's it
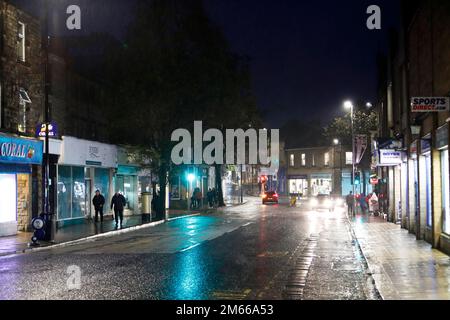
(270, 196)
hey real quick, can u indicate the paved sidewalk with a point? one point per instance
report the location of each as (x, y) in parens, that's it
(402, 267)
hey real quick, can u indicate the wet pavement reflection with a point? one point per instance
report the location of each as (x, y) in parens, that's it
(246, 252)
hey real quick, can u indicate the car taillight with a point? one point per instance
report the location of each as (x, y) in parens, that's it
(276, 195)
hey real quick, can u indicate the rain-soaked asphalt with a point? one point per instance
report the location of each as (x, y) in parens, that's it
(246, 252)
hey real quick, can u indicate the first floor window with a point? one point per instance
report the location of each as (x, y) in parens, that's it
(292, 160)
(327, 159)
(21, 41)
(303, 159)
(349, 158)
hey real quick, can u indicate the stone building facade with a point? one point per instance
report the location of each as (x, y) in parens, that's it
(21, 106)
(321, 170)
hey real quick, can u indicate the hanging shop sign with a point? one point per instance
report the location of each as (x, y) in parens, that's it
(20, 151)
(442, 137)
(52, 130)
(360, 147)
(390, 157)
(430, 104)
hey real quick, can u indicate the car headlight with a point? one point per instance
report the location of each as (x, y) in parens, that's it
(328, 203)
(339, 202)
(314, 202)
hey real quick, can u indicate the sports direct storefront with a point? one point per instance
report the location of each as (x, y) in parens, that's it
(17, 158)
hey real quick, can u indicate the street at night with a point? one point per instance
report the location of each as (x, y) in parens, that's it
(246, 252)
(224, 158)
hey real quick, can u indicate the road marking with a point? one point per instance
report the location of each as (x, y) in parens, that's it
(273, 254)
(190, 247)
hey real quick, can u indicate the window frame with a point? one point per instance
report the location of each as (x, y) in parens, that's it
(21, 41)
(292, 160)
(326, 159)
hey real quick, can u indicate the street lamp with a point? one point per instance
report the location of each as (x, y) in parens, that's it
(191, 177)
(349, 106)
(335, 142)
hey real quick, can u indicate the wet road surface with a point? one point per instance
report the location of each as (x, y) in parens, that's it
(246, 252)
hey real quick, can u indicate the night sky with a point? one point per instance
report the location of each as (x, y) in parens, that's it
(307, 57)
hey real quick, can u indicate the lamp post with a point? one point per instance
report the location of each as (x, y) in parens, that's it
(47, 215)
(349, 106)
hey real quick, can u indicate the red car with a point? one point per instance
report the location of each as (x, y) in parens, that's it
(270, 196)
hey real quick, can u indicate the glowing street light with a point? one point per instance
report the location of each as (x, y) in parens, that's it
(348, 105)
(191, 177)
(336, 142)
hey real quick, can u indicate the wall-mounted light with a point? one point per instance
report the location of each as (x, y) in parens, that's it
(415, 130)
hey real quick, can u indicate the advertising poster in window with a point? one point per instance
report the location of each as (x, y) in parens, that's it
(175, 192)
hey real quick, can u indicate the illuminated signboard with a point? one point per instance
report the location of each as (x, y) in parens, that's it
(430, 104)
(52, 130)
(20, 151)
(389, 157)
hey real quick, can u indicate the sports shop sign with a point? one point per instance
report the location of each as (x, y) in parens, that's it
(430, 104)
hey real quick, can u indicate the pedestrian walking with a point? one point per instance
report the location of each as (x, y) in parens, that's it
(98, 201)
(350, 200)
(373, 204)
(118, 203)
(363, 203)
(198, 198)
(215, 197)
(210, 197)
(155, 199)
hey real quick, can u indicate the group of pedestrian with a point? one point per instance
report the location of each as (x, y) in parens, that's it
(213, 197)
(367, 203)
(196, 199)
(118, 203)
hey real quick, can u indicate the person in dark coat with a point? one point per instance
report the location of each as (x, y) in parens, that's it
(210, 197)
(98, 201)
(118, 202)
(350, 199)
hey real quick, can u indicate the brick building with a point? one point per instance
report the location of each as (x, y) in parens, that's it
(21, 105)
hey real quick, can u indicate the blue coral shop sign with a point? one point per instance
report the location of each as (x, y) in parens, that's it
(20, 151)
